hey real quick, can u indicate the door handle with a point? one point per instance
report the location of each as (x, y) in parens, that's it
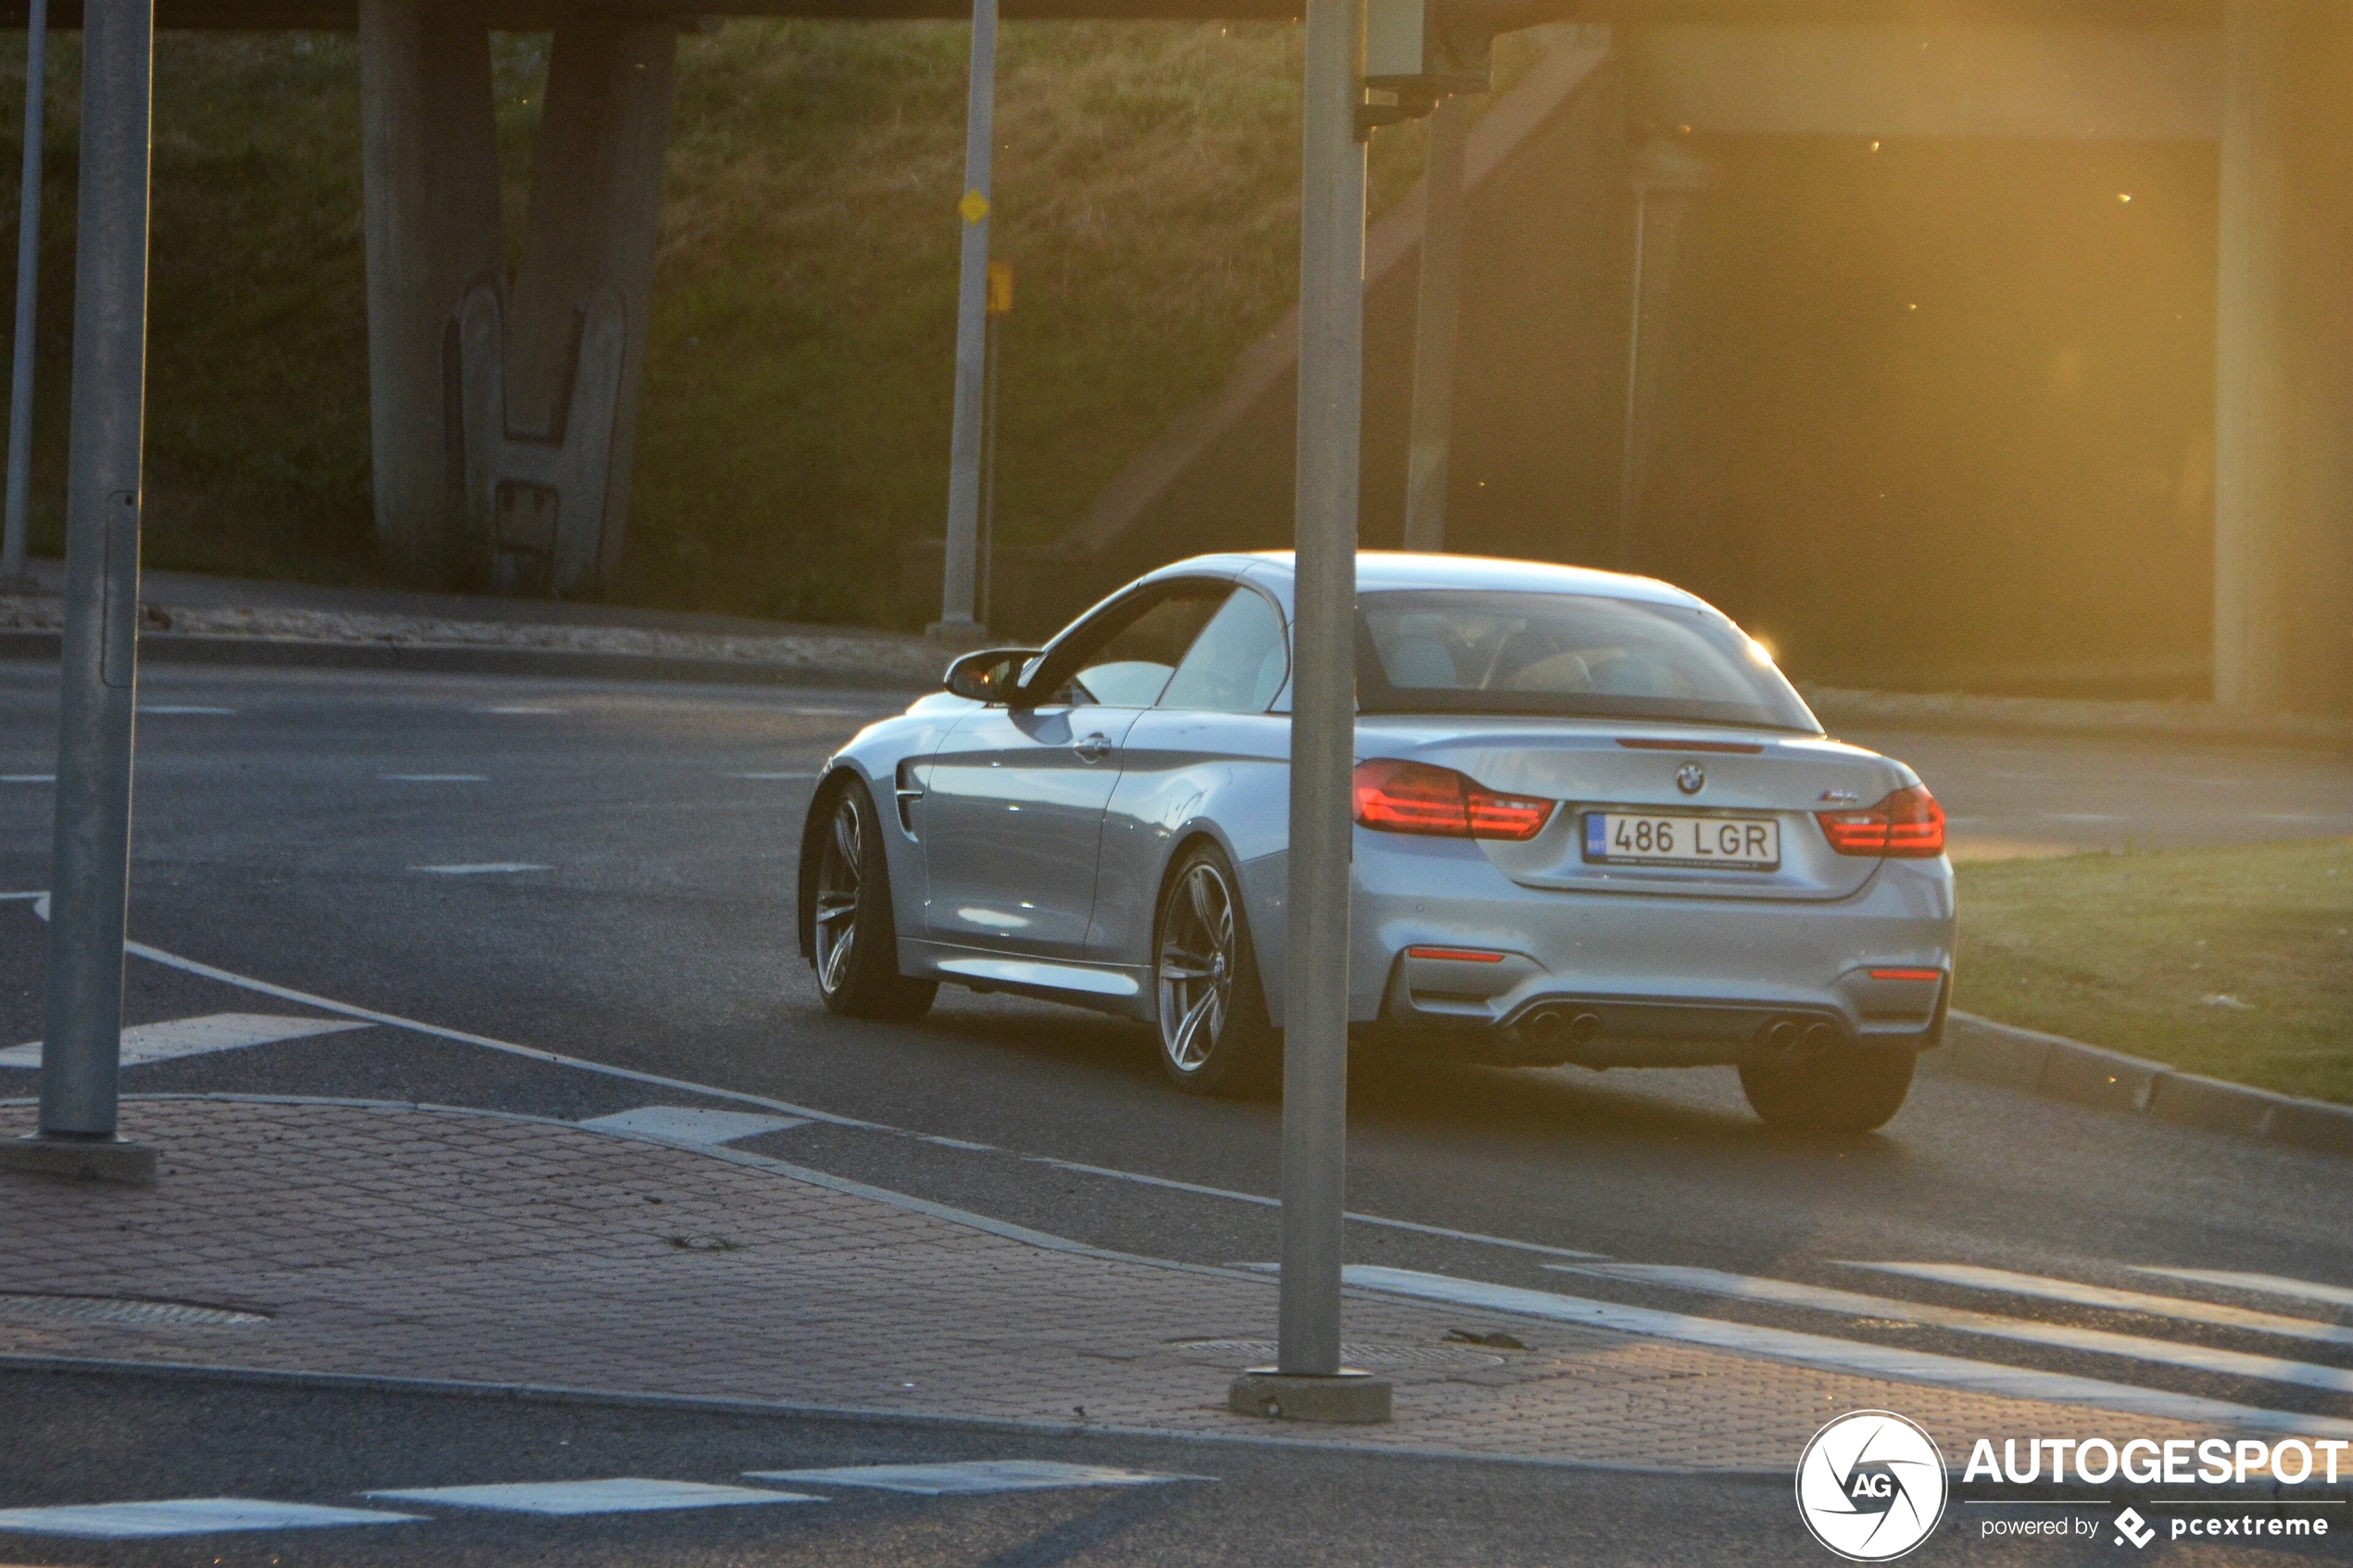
(1094, 749)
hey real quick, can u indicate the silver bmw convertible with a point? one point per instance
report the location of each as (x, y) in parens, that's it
(1594, 826)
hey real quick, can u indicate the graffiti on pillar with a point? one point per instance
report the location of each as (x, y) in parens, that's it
(535, 504)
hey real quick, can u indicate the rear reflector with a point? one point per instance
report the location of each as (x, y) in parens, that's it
(1908, 975)
(1397, 796)
(1742, 748)
(1458, 955)
(1908, 825)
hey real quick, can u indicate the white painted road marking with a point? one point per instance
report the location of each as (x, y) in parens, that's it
(2078, 1295)
(688, 1124)
(521, 707)
(971, 1477)
(195, 1036)
(28, 778)
(433, 778)
(2263, 1284)
(1788, 1293)
(185, 1516)
(772, 776)
(621, 1494)
(486, 868)
(1849, 1355)
(184, 708)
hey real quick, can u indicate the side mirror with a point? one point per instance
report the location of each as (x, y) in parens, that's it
(990, 676)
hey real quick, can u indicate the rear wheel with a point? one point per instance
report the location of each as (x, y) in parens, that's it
(855, 939)
(1215, 1035)
(1846, 1089)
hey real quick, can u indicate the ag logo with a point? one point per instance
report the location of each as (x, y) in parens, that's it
(1871, 1486)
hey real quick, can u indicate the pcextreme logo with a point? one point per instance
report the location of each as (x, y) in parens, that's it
(1871, 1486)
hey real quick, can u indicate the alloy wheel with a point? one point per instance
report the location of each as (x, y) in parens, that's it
(838, 882)
(1195, 966)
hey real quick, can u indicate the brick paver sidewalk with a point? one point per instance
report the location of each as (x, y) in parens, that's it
(400, 1242)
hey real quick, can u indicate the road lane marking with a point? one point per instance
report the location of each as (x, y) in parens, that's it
(33, 897)
(484, 867)
(521, 708)
(328, 1004)
(620, 1494)
(973, 1477)
(772, 776)
(433, 778)
(1847, 1355)
(185, 1516)
(28, 778)
(1788, 1293)
(2263, 1284)
(1264, 1201)
(147, 1043)
(2078, 1295)
(184, 708)
(691, 1127)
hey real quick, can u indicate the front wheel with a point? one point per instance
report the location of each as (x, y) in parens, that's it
(1846, 1089)
(854, 936)
(1215, 1035)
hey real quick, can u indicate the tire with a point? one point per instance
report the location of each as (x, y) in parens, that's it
(852, 936)
(1215, 1035)
(1847, 1089)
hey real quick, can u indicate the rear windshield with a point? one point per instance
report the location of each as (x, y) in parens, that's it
(1451, 650)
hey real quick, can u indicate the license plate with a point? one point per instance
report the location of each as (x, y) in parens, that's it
(1649, 838)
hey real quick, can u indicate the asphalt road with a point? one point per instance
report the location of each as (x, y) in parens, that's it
(290, 825)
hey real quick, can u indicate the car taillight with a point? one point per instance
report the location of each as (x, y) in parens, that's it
(1908, 825)
(1397, 796)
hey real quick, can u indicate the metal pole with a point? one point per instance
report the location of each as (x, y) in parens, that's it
(1331, 318)
(90, 872)
(1626, 477)
(957, 583)
(14, 531)
(1435, 316)
(988, 469)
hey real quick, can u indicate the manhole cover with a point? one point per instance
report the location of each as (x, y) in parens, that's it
(120, 1310)
(1426, 1358)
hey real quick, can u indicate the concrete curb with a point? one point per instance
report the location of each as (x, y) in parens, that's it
(454, 658)
(2053, 1067)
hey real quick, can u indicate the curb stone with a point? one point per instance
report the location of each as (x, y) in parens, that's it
(287, 653)
(2053, 1067)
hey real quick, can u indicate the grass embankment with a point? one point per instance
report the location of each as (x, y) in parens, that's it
(2236, 964)
(799, 379)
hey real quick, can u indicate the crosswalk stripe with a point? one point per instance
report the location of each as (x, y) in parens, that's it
(620, 1494)
(2079, 1295)
(692, 1125)
(1788, 1293)
(1846, 1355)
(185, 1516)
(2263, 1284)
(971, 1477)
(144, 1043)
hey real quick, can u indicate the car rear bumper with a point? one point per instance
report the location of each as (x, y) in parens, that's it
(1507, 972)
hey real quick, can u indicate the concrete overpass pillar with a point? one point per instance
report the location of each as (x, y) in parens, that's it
(2283, 403)
(430, 158)
(1669, 180)
(588, 251)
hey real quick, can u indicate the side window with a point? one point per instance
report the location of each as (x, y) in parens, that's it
(1237, 664)
(1130, 665)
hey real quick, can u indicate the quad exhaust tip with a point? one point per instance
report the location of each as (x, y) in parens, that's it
(1796, 1039)
(1553, 1026)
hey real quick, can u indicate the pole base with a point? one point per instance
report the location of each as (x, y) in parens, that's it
(957, 636)
(1353, 1399)
(85, 1160)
